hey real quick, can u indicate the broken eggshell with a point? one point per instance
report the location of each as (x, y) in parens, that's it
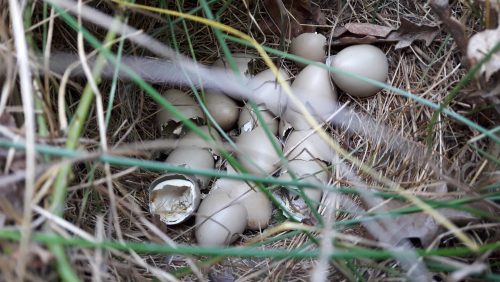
(310, 46)
(248, 119)
(167, 121)
(174, 198)
(219, 220)
(268, 92)
(313, 88)
(364, 60)
(307, 145)
(223, 109)
(195, 158)
(257, 153)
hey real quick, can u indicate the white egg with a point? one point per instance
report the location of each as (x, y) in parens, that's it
(219, 220)
(224, 110)
(248, 119)
(174, 197)
(310, 46)
(258, 206)
(313, 88)
(257, 153)
(183, 103)
(195, 158)
(364, 60)
(307, 145)
(268, 92)
(241, 59)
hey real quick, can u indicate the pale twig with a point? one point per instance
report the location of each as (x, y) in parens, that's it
(29, 121)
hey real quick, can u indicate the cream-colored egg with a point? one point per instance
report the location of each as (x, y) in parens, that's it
(241, 59)
(195, 158)
(310, 46)
(364, 60)
(258, 206)
(219, 220)
(173, 197)
(224, 110)
(307, 145)
(268, 92)
(313, 194)
(194, 140)
(303, 169)
(248, 120)
(257, 153)
(183, 103)
(313, 88)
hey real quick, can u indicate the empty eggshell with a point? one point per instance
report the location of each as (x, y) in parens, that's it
(174, 197)
(310, 46)
(257, 153)
(268, 92)
(241, 59)
(194, 158)
(248, 120)
(313, 88)
(224, 110)
(219, 220)
(258, 206)
(183, 102)
(307, 145)
(364, 60)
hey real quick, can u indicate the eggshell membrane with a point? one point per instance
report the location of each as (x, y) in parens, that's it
(258, 206)
(313, 147)
(310, 46)
(241, 59)
(256, 146)
(219, 220)
(268, 92)
(248, 120)
(183, 103)
(313, 88)
(194, 158)
(223, 109)
(364, 60)
(174, 198)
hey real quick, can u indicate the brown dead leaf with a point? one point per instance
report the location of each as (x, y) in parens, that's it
(364, 33)
(482, 43)
(292, 17)
(454, 27)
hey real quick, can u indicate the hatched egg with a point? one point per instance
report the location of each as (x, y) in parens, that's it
(258, 206)
(183, 103)
(195, 158)
(173, 197)
(224, 110)
(307, 145)
(219, 220)
(310, 46)
(364, 60)
(313, 88)
(248, 120)
(257, 153)
(268, 92)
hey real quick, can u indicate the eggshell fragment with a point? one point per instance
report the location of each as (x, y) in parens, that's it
(258, 206)
(268, 92)
(174, 197)
(219, 220)
(223, 109)
(248, 120)
(313, 88)
(307, 145)
(310, 46)
(257, 153)
(195, 158)
(364, 60)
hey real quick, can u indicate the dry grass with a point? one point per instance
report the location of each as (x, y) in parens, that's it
(429, 72)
